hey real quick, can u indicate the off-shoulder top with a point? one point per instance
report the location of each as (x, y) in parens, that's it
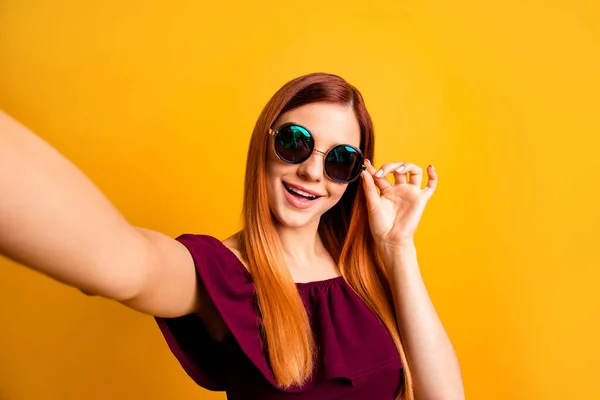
(357, 357)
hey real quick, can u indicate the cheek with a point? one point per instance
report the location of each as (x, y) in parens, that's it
(337, 191)
(275, 170)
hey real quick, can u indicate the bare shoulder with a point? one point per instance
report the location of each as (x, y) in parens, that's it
(233, 244)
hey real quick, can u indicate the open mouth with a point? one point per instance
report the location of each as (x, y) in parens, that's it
(299, 193)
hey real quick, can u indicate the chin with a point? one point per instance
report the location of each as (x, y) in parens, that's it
(292, 219)
(286, 215)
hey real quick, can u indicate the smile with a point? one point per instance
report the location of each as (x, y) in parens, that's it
(299, 192)
(299, 198)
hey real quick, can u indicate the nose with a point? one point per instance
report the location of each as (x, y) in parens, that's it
(312, 168)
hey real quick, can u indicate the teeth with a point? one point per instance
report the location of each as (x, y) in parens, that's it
(301, 193)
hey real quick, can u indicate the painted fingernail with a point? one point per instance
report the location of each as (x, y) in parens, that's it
(400, 169)
(379, 173)
(431, 166)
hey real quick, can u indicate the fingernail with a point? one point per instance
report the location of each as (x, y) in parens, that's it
(400, 169)
(431, 166)
(379, 173)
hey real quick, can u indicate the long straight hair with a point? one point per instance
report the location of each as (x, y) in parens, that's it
(344, 230)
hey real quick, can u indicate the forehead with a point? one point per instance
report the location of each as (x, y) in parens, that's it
(329, 123)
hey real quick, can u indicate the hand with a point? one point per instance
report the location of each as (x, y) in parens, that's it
(395, 212)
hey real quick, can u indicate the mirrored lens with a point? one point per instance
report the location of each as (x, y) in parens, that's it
(343, 163)
(294, 143)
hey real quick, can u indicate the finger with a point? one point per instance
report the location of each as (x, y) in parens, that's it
(400, 174)
(370, 189)
(381, 182)
(387, 168)
(416, 174)
(431, 182)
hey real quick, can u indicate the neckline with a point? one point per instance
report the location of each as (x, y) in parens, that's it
(324, 283)
(320, 284)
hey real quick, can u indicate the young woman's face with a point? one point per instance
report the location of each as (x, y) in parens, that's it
(330, 125)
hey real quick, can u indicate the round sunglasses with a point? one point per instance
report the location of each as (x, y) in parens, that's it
(294, 144)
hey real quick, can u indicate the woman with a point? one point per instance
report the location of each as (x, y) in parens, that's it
(319, 295)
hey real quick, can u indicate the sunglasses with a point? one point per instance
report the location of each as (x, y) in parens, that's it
(294, 144)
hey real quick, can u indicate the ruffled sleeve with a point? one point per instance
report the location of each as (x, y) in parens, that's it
(230, 288)
(355, 349)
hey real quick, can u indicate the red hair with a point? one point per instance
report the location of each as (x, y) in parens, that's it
(344, 230)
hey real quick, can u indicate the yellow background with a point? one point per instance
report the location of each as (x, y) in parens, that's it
(155, 102)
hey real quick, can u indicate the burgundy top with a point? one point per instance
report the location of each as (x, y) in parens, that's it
(358, 357)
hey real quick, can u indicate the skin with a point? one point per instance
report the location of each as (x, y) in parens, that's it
(330, 124)
(97, 251)
(394, 210)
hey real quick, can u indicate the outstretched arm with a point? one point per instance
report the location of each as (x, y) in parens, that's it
(55, 220)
